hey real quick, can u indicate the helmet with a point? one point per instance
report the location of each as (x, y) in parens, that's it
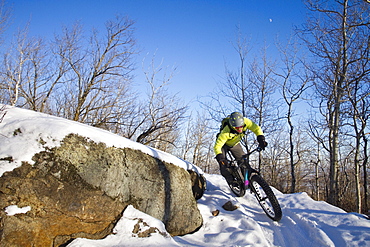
(236, 119)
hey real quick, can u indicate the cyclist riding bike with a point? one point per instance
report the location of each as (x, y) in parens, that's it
(233, 129)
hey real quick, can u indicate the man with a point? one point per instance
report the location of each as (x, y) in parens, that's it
(232, 131)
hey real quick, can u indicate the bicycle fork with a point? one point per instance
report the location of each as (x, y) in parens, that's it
(245, 171)
(246, 179)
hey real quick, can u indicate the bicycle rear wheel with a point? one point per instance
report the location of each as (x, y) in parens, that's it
(237, 184)
(266, 197)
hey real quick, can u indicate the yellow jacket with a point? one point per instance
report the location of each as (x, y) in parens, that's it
(232, 138)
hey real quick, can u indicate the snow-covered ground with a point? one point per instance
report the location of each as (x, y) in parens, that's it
(305, 222)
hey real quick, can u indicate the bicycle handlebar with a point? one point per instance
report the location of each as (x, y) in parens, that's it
(258, 149)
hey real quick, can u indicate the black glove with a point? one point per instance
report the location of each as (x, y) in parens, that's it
(221, 159)
(261, 142)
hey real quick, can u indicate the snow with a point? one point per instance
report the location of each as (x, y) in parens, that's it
(305, 222)
(123, 236)
(14, 209)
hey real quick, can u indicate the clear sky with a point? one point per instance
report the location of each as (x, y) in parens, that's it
(193, 35)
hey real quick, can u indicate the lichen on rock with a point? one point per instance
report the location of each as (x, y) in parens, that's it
(80, 189)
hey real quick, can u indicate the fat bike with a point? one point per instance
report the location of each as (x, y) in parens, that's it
(245, 177)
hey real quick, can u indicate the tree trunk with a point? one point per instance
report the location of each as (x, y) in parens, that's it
(317, 185)
(364, 167)
(291, 151)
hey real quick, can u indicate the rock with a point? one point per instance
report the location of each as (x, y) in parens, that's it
(59, 210)
(229, 206)
(81, 188)
(199, 184)
(215, 212)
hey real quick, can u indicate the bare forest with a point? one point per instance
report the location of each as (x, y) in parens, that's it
(312, 102)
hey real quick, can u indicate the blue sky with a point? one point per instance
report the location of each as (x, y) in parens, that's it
(193, 35)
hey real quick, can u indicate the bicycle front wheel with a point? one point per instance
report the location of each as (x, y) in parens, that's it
(266, 197)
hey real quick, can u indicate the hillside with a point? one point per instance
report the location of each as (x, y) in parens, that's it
(305, 222)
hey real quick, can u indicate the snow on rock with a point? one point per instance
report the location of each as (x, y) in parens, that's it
(135, 228)
(30, 132)
(14, 209)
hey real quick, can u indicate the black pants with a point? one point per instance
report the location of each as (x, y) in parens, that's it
(237, 152)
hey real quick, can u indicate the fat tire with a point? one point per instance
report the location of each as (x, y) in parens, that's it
(237, 185)
(274, 206)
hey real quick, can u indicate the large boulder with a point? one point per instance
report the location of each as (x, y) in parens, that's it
(81, 188)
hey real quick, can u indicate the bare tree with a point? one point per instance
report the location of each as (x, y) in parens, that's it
(198, 142)
(17, 65)
(334, 41)
(159, 116)
(294, 81)
(29, 74)
(359, 111)
(96, 87)
(84, 81)
(359, 98)
(262, 106)
(186, 143)
(37, 80)
(231, 93)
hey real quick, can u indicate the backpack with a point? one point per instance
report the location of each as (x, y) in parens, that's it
(225, 122)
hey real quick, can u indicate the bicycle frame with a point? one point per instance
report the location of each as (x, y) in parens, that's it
(246, 168)
(242, 172)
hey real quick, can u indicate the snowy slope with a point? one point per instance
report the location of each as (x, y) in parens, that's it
(305, 222)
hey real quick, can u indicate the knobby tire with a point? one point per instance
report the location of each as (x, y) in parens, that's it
(267, 199)
(237, 185)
